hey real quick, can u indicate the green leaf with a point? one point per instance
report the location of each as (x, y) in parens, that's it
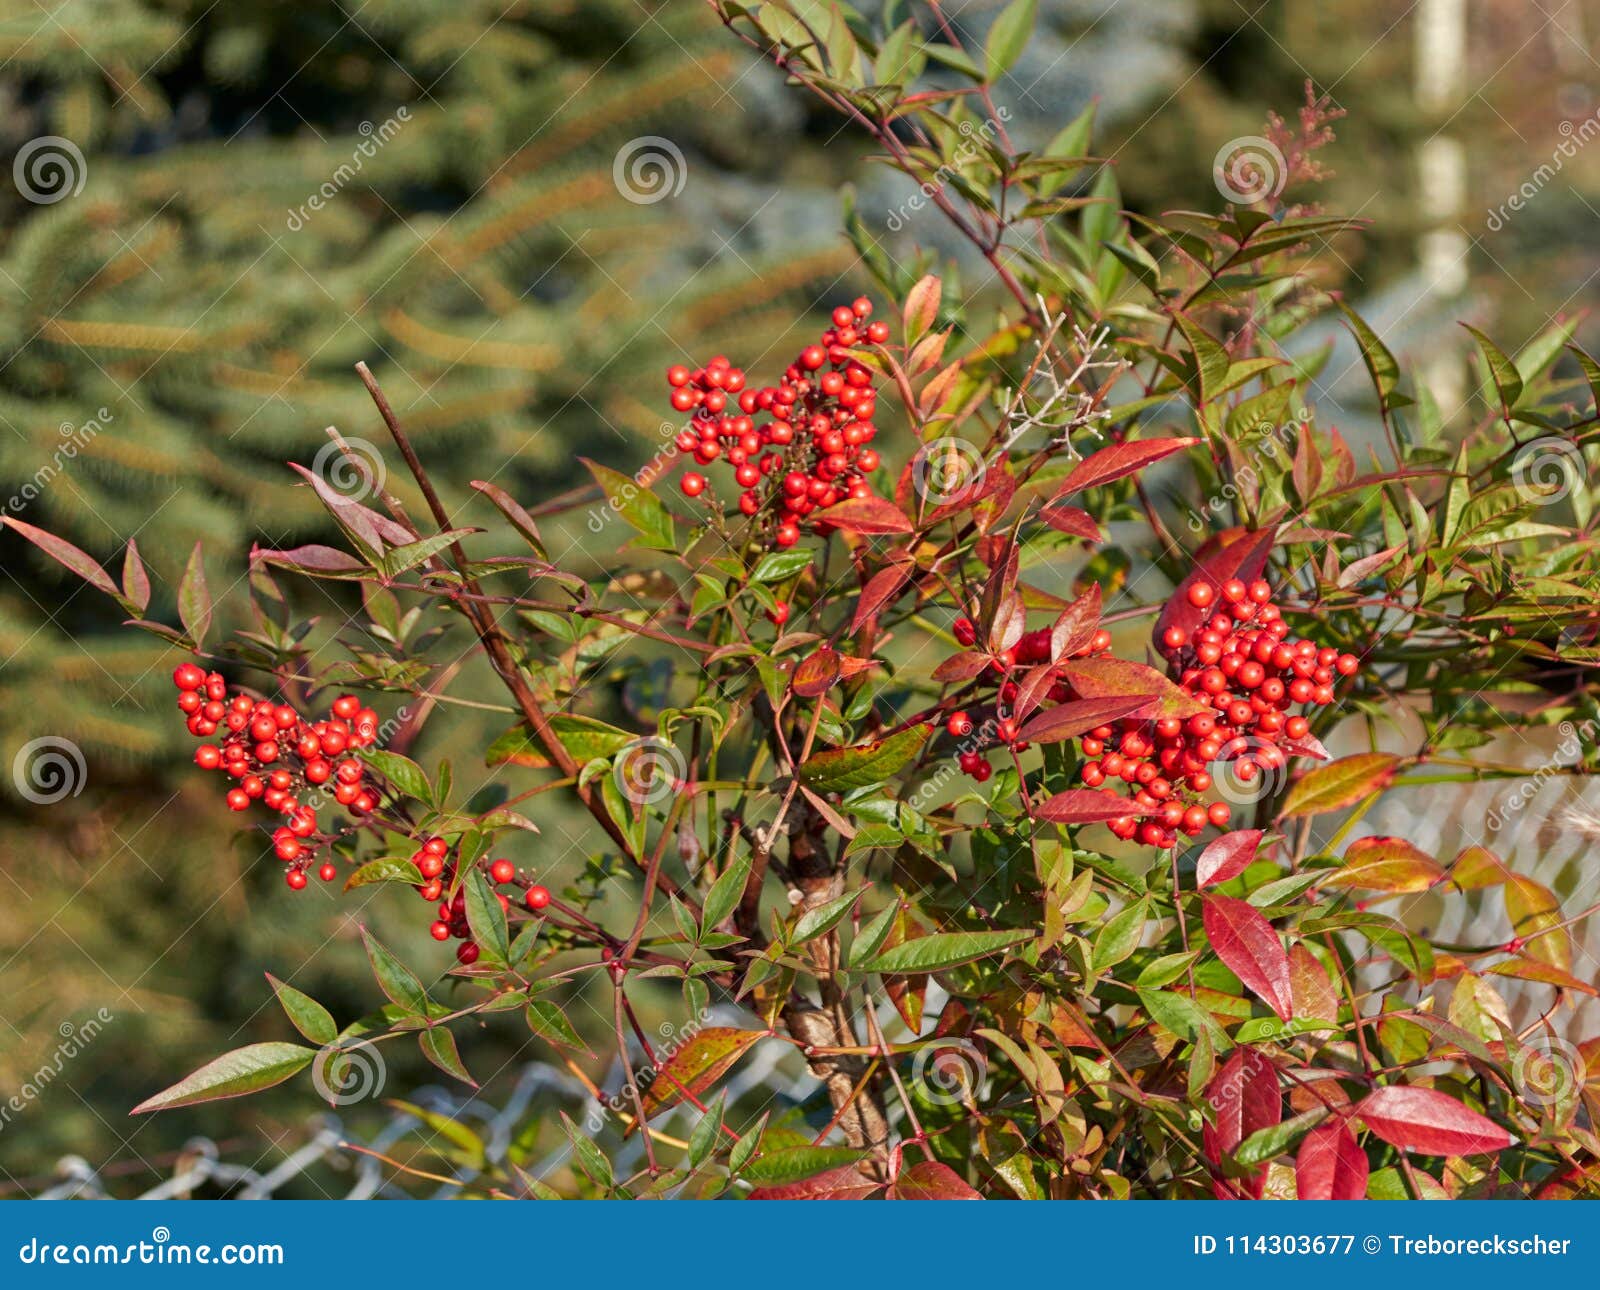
(1276, 1139)
(1120, 937)
(407, 777)
(1502, 371)
(870, 939)
(135, 581)
(469, 1144)
(244, 1070)
(824, 918)
(307, 1016)
(439, 1047)
(486, 919)
(194, 598)
(384, 869)
(776, 566)
(942, 950)
(703, 1138)
(841, 769)
(547, 1021)
(641, 508)
(395, 979)
(726, 892)
(398, 559)
(1008, 37)
(1381, 365)
(794, 1163)
(67, 555)
(584, 738)
(590, 1157)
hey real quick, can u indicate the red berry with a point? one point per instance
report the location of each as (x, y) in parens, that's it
(1218, 813)
(436, 847)
(1174, 638)
(537, 897)
(1201, 594)
(238, 799)
(207, 757)
(959, 724)
(692, 484)
(779, 613)
(466, 953)
(440, 931)
(327, 873)
(502, 871)
(188, 677)
(296, 879)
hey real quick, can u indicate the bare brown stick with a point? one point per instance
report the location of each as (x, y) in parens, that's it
(495, 645)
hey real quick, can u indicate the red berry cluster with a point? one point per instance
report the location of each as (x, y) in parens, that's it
(438, 869)
(1243, 666)
(275, 755)
(1032, 648)
(811, 451)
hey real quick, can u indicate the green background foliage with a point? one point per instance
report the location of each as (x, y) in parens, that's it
(475, 249)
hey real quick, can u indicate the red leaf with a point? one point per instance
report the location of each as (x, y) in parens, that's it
(1226, 857)
(1087, 806)
(930, 1180)
(815, 673)
(1105, 678)
(1339, 784)
(881, 588)
(864, 515)
(1243, 558)
(961, 667)
(1430, 1123)
(698, 1065)
(1118, 460)
(1385, 864)
(843, 1183)
(1068, 719)
(1245, 941)
(1245, 1098)
(1331, 1164)
(1076, 626)
(1069, 519)
(64, 553)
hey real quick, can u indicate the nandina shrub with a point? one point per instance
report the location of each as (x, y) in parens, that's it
(1042, 850)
